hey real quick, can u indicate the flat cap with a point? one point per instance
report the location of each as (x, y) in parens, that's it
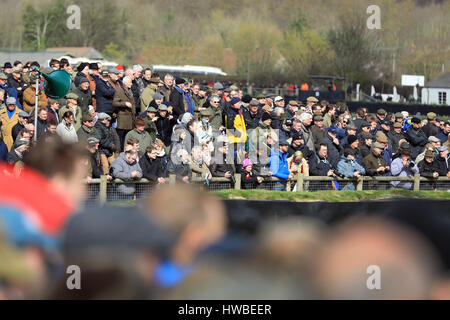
(377, 145)
(162, 107)
(103, 116)
(433, 139)
(312, 99)
(431, 115)
(24, 114)
(11, 100)
(72, 95)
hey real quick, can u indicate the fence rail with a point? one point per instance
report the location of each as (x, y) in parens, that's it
(101, 190)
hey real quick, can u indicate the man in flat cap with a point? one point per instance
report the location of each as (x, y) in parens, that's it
(104, 94)
(375, 164)
(416, 137)
(310, 101)
(432, 127)
(72, 105)
(149, 92)
(396, 135)
(20, 125)
(29, 96)
(84, 94)
(292, 109)
(17, 84)
(87, 129)
(17, 151)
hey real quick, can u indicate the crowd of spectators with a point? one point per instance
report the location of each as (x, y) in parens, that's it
(137, 123)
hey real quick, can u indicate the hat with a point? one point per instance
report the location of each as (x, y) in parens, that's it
(3, 76)
(270, 95)
(218, 86)
(385, 122)
(381, 111)
(151, 109)
(297, 136)
(254, 102)
(105, 72)
(206, 112)
(227, 89)
(318, 118)
(119, 67)
(235, 100)
(103, 116)
(91, 107)
(21, 142)
(381, 137)
(82, 65)
(162, 107)
(351, 138)
(109, 228)
(267, 108)
(352, 127)
(364, 123)
(16, 70)
(442, 149)
(366, 136)
(246, 98)
(429, 154)
(93, 66)
(92, 141)
(114, 71)
(167, 103)
(7, 65)
(86, 117)
(158, 96)
(185, 118)
(180, 81)
(433, 139)
(293, 103)
(247, 162)
(397, 125)
(24, 114)
(278, 98)
(265, 116)
(283, 141)
(11, 100)
(312, 99)
(72, 95)
(203, 88)
(83, 80)
(404, 145)
(377, 145)
(349, 151)
(140, 122)
(288, 122)
(260, 96)
(416, 120)
(154, 80)
(431, 115)
(399, 115)
(332, 129)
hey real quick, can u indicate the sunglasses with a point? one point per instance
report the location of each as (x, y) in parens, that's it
(214, 101)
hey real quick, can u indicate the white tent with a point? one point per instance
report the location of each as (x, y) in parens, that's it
(75, 61)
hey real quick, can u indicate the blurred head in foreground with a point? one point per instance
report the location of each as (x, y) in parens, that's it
(195, 218)
(117, 250)
(350, 261)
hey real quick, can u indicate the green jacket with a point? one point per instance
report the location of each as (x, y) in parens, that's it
(216, 118)
(84, 133)
(147, 97)
(150, 127)
(143, 137)
(84, 99)
(76, 116)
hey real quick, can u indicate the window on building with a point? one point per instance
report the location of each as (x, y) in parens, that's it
(442, 97)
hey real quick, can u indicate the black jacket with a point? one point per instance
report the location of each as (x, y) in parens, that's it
(426, 169)
(12, 157)
(395, 138)
(151, 169)
(430, 129)
(164, 126)
(249, 180)
(334, 150)
(16, 129)
(180, 170)
(177, 100)
(252, 120)
(319, 166)
(417, 140)
(107, 144)
(219, 169)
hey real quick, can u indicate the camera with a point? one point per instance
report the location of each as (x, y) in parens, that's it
(410, 163)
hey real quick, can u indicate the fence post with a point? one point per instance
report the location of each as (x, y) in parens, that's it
(299, 182)
(416, 182)
(172, 179)
(103, 189)
(359, 184)
(237, 183)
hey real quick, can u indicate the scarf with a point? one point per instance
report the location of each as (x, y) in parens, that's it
(10, 113)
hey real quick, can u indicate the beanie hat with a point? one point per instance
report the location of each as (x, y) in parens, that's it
(235, 100)
(247, 162)
(265, 116)
(351, 138)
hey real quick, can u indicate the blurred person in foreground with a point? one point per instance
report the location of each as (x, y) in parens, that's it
(407, 262)
(194, 218)
(36, 203)
(117, 249)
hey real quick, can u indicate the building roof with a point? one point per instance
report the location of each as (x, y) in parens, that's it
(25, 56)
(78, 52)
(442, 81)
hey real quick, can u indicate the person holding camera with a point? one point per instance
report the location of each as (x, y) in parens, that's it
(403, 166)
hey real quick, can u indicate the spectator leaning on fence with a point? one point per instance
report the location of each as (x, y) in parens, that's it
(444, 160)
(279, 165)
(375, 163)
(152, 169)
(403, 166)
(65, 128)
(126, 168)
(349, 168)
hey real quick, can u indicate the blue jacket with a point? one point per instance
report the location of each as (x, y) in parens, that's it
(104, 93)
(279, 165)
(347, 167)
(3, 151)
(442, 136)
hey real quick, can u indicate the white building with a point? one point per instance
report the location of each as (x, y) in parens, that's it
(437, 91)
